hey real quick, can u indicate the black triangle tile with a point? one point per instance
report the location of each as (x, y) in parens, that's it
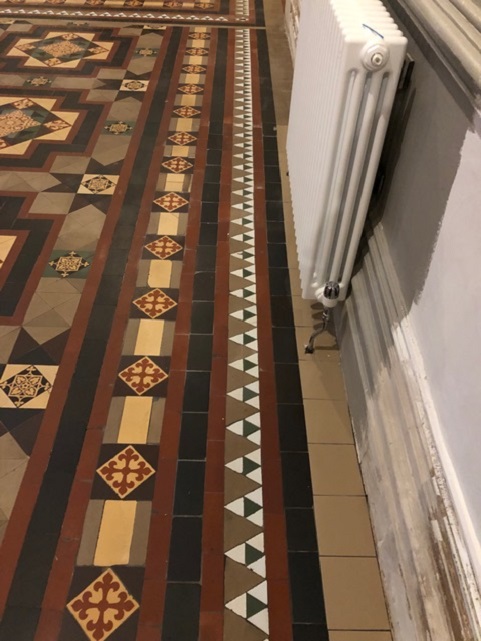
(12, 418)
(26, 433)
(23, 345)
(56, 346)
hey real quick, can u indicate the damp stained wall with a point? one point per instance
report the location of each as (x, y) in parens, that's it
(432, 222)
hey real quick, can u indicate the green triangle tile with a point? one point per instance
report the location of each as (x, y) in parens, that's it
(252, 555)
(250, 507)
(249, 466)
(253, 605)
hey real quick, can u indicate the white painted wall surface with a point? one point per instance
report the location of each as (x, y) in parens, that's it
(447, 323)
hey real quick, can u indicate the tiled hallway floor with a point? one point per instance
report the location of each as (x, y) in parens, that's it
(155, 417)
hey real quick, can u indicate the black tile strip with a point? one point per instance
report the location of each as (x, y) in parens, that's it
(308, 610)
(48, 513)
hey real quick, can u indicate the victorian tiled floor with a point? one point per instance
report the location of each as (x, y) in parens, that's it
(166, 448)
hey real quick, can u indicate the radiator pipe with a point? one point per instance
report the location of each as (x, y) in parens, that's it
(328, 296)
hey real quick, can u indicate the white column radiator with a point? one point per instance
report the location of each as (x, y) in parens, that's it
(348, 60)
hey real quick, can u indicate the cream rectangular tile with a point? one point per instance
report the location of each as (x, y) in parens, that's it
(343, 526)
(186, 124)
(149, 337)
(134, 424)
(186, 100)
(357, 635)
(193, 78)
(90, 533)
(159, 274)
(115, 534)
(353, 594)
(177, 150)
(196, 60)
(174, 182)
(335, 470)
(322, 380)
(327, 421)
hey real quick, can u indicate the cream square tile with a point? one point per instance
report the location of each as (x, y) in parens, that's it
(322, 380)
(327, 421)
(335, 470)
(343, 526)
(357, 635)
(353, 594)
(188, 101)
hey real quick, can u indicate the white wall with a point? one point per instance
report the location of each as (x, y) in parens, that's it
(446, 319)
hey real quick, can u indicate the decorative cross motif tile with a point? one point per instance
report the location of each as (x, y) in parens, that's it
(126, 471)
(197, 51)
(194, 69)
(134, 85)
(182, 138)
(142, 375)
(117, 128)
(98, 184)
(177, 165)
(171, 201)
(186, 112)
(190, 89)
(103, 606)
(163, 247)
(154, 303)
(68, 264)
(26, 386)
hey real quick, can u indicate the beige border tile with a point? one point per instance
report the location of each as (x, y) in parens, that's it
(323, 380)
(357, 635)
(327, 421)
(353, 594)
(335, 470)
(343, 526)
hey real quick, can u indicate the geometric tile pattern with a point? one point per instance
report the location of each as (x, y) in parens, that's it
(23, 120)
(103, 606)
(135, 420)
(243, 478)
(60, 50)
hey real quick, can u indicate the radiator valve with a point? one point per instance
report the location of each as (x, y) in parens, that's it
(375, 57)
(328, 294)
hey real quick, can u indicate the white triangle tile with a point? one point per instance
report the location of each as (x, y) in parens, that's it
(260, 592)
(259, 566)
(261, 620)
(238, 605)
